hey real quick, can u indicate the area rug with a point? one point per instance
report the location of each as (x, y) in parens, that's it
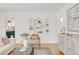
(42, 51)
(35, 51)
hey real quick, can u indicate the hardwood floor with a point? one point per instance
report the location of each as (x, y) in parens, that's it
(53, 47)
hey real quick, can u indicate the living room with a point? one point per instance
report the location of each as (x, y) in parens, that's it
(45, 21)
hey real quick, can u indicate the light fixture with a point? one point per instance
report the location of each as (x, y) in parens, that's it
(61, 19)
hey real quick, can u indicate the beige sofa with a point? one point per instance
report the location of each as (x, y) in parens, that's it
(6, 46)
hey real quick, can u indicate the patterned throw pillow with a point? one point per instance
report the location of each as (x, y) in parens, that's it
(1, 41)
(6, 40)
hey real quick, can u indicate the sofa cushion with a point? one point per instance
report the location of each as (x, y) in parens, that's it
(6, 40)
(1, 41)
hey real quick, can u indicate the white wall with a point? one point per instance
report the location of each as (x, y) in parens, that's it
(2, 29)
(63, 13)
(22, 24)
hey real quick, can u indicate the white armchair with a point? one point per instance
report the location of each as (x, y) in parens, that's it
(34, 40)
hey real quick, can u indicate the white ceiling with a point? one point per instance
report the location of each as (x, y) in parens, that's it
(31, 7)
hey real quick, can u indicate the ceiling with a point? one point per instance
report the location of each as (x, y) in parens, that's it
(31, 7)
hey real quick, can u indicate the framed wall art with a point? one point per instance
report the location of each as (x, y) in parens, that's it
(38, 25)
